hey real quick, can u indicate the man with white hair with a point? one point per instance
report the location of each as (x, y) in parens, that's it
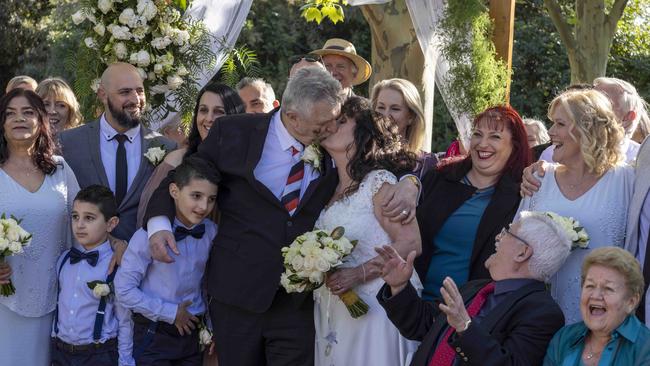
(257, 94)
(508, 320)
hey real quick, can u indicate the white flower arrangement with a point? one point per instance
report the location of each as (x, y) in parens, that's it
(155, 155)
(310, 256)
(100, 288)
(313, 156)
(205, 335)
(13, 240)
(576, 233)
(154, 36)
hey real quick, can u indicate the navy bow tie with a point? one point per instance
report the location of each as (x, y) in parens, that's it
(196, 232)
(91, 257)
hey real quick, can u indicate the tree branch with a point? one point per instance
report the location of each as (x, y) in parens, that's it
(615, 15)
(563, 28)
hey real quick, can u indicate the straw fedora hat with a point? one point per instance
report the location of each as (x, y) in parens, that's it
(341, 47)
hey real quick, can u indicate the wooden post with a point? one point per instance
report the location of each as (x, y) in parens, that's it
(503, 14)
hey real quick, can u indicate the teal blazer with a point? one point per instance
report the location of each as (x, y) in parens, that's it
(629, 346)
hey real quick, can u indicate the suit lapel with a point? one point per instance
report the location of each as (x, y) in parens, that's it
(144, 166)
(253, 156)
(497, 313)
(641, 188)
(94, 135)
(329, 171)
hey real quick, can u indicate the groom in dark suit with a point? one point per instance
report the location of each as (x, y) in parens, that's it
(267, 197)
(110, 151)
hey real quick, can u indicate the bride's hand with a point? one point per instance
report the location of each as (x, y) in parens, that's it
(396, 272)
(344, 279)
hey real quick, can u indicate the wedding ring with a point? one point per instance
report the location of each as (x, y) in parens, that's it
(405, 212)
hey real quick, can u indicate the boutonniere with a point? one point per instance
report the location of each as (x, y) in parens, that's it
(313, 156)
(100, 288)
(205, 335)
(155, 155)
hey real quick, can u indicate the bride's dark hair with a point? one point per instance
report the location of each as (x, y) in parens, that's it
(377, 143)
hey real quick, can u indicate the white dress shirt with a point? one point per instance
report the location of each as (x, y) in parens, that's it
(78, 306)
(108, 149)
(272, 170)
(155, 289)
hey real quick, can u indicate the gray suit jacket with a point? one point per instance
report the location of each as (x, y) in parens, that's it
(80, 148)
(641, 188)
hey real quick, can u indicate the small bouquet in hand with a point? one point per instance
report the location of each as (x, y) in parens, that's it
(13, 239)
(576, 233)
(311, 256)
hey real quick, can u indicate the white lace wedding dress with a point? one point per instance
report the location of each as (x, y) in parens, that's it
(370, 339)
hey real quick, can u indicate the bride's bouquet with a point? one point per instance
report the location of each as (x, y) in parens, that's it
(13, 239)
(311, 256)
(576, 233)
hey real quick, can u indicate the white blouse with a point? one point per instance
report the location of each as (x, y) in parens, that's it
(46, 215)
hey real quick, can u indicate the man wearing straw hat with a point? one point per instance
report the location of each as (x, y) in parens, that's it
(341, 60)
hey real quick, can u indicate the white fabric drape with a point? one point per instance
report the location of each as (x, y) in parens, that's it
(224, 20)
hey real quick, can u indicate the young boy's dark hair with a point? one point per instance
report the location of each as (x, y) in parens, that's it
(195, 168)
(102, 197)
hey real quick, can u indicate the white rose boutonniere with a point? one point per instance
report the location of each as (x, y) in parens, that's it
(576, 233)
(313, 156)
(100, 288)
(155, 155)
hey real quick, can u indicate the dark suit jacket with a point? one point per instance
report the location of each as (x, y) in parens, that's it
(246, 262)
(516, 332)
(81, 150)
(442, 194)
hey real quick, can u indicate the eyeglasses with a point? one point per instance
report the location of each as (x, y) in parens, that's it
(505, 231)
(309, 58)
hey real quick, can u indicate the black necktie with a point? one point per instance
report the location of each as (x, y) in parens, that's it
(640, 311)
(121, 169)
(196, 232)
(91, 257)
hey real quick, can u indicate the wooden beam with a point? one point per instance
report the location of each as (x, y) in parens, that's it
(503, 14)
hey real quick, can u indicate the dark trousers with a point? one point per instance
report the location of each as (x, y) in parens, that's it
(283, 335)
(101, 355)
(160, 344)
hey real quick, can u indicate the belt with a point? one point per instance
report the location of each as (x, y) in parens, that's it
(74, 348)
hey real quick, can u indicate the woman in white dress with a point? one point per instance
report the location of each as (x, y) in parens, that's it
(37, 187)
(366, 149)
(588, 182)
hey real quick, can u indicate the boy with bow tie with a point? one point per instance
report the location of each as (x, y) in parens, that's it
(167, 299)
(89, 327)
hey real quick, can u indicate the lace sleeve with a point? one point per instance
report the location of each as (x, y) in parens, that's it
(377, 178)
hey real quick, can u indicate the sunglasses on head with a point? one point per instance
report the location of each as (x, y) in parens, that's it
(309, 58)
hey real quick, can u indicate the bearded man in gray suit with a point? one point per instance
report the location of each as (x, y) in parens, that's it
(111, 151)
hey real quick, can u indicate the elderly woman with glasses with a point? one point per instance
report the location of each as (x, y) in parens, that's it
(610, 333)
(508, 319)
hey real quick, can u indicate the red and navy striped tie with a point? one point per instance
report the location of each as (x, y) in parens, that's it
(291, 192)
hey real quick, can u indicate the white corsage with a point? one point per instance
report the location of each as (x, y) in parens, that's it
(205, 335)
(155, 155)
(576, 233)
(313, 156)
(100, 288)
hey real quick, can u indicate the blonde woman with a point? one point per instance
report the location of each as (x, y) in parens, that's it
(399, 100)
(588, 182)
(61, 104)
(22, 82)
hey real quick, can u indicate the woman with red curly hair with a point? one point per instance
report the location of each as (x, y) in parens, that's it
(467, 200)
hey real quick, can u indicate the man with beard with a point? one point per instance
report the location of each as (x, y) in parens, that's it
(111, 151)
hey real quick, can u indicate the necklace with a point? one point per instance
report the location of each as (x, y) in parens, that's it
(590, 352)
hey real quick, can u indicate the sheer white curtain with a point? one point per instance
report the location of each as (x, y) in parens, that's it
(426, 16)
(224, 20)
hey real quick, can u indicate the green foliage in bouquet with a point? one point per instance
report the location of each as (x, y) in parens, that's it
(477, 78)
(153, 35)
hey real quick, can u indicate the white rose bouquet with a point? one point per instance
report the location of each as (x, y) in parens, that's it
(13, 239)
(100, 288)
(575, 232)
(168, 48)
(311, 256)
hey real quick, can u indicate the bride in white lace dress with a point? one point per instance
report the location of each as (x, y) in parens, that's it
(363, 148)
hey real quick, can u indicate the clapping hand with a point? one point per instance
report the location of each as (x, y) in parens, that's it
(396, 272)
(454, 306)
(185, 322)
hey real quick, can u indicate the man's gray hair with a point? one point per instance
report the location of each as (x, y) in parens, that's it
(550, 243)
(308, 86)
(266, 88)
